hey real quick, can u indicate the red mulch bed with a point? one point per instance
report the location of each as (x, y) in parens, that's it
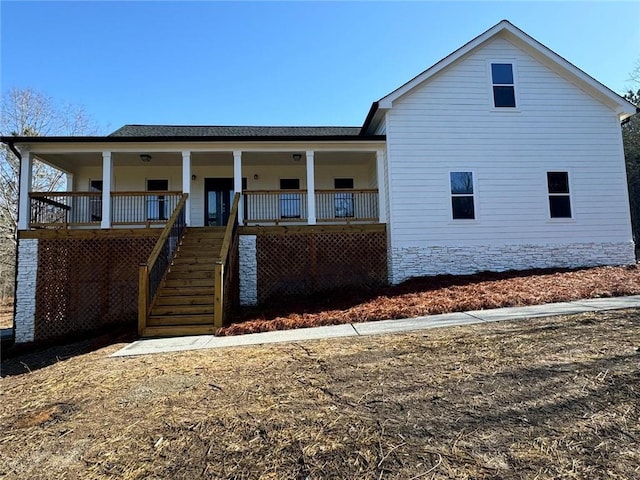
(440, 294)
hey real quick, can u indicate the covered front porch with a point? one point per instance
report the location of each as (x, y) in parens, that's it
(141, 186)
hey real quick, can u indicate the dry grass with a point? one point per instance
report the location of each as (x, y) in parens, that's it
(441, 294)
(6, 313)
(545, 398)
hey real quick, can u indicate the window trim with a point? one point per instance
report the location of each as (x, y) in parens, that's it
(514, 69)
(548, 194)
(474, 195)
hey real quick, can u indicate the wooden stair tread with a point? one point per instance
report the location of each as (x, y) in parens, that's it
(185, 299)
(190, 275)
(192, 267)
(158, 310)
(177, 331)
(189, 282)
(184, 291)
(179, 320)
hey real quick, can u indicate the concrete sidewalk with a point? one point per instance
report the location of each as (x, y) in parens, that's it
(177, 344)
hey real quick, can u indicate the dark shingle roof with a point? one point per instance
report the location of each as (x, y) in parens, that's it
(217, 131)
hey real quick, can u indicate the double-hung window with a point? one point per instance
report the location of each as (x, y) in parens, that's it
(504, 90)
(559, 195)
(462, 196)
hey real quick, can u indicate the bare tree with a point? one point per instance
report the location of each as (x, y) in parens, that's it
(25, 112)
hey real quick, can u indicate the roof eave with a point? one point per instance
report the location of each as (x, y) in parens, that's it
(14, 140)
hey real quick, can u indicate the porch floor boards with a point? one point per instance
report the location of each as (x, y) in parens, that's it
(184, 303)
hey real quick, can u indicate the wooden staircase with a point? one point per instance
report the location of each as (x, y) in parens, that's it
(184, 304)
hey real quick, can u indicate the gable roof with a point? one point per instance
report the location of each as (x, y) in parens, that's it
(623, 108)
(230, 131)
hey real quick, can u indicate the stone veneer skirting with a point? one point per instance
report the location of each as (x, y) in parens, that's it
(26, 290)
(248, 270)
(419, 261)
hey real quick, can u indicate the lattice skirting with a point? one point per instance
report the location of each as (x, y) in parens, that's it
(86, 284)
(310, 263)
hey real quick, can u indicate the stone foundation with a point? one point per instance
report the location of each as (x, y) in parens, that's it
(248, 270)
(26, 290)
(419, 261)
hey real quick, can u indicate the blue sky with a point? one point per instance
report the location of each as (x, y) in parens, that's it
(276, 63)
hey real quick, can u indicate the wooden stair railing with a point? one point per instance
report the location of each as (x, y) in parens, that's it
(222, 275)
(152, 272)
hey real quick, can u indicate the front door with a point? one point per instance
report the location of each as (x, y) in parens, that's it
(218, 193)
(218, 198)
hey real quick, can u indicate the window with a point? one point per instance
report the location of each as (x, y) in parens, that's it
(343, 202)
(156, 204)
(559, 196)
(462, 202)
(95, 203)
(290, 202)
(504, 92)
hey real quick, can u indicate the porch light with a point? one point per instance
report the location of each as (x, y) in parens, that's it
(297, 157)
(145, 157)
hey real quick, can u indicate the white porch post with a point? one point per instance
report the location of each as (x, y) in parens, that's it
(382, 186)
(107, 185)
(70, 185)
(237, 182)
(311, 189)
(186, 184)
(26, 165)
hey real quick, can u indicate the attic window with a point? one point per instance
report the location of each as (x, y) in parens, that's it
(504, 92)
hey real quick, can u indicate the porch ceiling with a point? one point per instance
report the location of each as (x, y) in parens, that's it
(70, 162)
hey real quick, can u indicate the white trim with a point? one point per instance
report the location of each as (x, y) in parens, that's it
(516, 89)
(474, 195)
(380, 174)
(26, 169)
(186, 184)
(622, 107)
(311, 189)
(107, 186)
(237, 182)
(69, 184)
(207, 147)
(569, 173)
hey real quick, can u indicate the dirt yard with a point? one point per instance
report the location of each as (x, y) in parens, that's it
(534, 399)
(441, 294)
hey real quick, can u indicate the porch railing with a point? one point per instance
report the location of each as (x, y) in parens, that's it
(347, 205)
(134, 208)
(152, 272)
(62, 209)
(340, 205)
(65, 208)
(226, 265)
(277, 206)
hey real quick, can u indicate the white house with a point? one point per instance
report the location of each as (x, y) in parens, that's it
(501, 156)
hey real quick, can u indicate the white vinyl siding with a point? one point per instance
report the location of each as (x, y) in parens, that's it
(444, 125)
